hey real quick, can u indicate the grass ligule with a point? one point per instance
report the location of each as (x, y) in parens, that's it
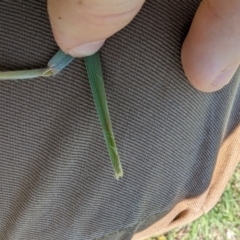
(59, 61)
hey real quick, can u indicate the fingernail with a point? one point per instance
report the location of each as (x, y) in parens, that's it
(224, 77)
(86, 49)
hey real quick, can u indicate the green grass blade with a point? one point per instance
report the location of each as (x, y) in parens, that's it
(94, 70)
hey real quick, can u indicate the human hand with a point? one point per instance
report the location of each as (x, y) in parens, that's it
(210, 52)
(80, 27)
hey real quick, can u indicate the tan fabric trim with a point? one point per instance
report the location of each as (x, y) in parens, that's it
(190, 209)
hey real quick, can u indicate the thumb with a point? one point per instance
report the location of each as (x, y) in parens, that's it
(80, 27)
(211, 50)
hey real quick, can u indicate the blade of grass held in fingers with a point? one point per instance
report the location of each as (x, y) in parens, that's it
(94, 70)
(58, 62)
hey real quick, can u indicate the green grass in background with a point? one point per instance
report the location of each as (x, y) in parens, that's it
(221, 223)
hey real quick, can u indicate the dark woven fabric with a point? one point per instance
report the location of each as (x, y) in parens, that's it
(56, 180)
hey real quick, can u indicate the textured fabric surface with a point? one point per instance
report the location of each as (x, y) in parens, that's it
(56, 180)
(188, 210)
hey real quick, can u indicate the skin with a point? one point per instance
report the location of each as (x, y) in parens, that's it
(210, 53)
